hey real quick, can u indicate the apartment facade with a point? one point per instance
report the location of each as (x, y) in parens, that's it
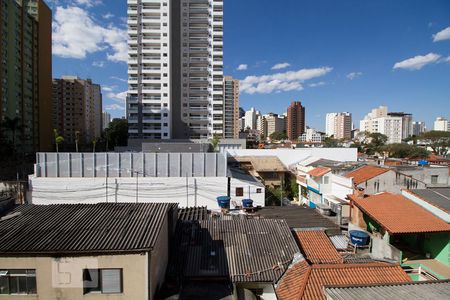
(106, 119)
(407, 123)
(77, 109)
(25, 73)
(418, 128)
(339, 125)
(389, 124)
(231, 107)
(441, 124)
(175, 69)
(295, 120)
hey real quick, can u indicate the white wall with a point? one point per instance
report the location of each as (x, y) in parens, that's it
(199, 191)
(291, 156)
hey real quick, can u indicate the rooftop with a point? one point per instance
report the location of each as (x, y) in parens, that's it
(317, 247)
(263, 163)
(365, 173)
(307, 282)
(399, 215)
(238, 250)
(438, 197)
(401, 291)
(319, 171)
(82, 228)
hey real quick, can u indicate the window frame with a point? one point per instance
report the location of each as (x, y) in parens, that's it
(100, 282)
(240, 193)
(26, 273)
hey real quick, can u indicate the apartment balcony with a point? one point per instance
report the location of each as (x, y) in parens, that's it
(151, 120)
(132, 120)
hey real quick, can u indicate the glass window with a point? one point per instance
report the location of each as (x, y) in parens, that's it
(17, 281)
(434, 179)
(239, 192)
(105, 281)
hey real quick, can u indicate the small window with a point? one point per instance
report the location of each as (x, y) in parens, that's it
(325, 180)
(17, 282)
(239, 192)
(105, 281)
(434, 179)
(258, 191)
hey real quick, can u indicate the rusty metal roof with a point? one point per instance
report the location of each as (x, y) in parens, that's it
(82, 228)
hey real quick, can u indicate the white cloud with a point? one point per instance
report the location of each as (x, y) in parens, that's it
(354, 75)
(99, 64)
(88, 3)
(442, 35)
(120, 97)
(76, 34)
(417, 62)
(316, 84)
(281, 82)
(447, 59)
(280, 66)
(242, 67)
(118, 78)
(107, 16)
(114, 107)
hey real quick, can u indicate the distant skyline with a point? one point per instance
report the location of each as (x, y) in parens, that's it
(333, 56)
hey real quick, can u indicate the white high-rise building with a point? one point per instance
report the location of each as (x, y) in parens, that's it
(175, 69)
(418, 128)
(250, 118)
(441, 124)
(106, 119)
(339, 125)
(378, 120)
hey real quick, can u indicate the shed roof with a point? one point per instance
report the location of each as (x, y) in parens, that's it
(317, 247)
(399, 215)
(438, 197)
(401, 291)
(240, 250)
(307, 282)
(365, 173)
(82, 228)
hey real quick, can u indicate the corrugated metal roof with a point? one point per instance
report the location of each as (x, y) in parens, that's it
(406, 291)
(340, 241)
(239, 250)
(193, 213)
(399, 215)
(82, 228)
(439, 197)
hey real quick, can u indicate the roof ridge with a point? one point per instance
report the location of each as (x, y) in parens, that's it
(354, 265)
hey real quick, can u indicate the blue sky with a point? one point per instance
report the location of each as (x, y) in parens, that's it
(331, 55)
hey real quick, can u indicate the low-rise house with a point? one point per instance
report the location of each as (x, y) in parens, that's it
(435, 200)
(376, 180)
(95, 251)
(403, 231)
(269, 169)
(431, 175)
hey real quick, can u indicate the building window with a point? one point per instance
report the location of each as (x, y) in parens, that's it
(434, 179)
(239, 192)
(325, 180)
(17, 282)
(105, 281)
(258, 191)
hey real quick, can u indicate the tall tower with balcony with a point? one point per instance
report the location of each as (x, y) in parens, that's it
(175, 69)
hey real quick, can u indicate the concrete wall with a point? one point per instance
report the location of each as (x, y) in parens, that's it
(292, 156)
(424, 174)
(61, 278)
(383, 250)
(159, 259)
(188, 191)
(127, 164)
(390, 182)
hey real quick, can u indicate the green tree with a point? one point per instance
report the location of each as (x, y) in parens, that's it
(117, 134)
(278, 136)
(376, 144)
(215, 141)
(58, 139)
(405, 151)
(330, 142)
(438, 141)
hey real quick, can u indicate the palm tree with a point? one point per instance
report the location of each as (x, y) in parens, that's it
(58, 139)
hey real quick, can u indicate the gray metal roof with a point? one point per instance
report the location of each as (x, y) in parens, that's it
(193, 213)
(439, 197)
(82, 228)
(406, 291)
(239, 250)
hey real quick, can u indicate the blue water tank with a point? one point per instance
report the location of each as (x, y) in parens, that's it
(223, 201)
(359, 238)
(246, 203)
(422, 162)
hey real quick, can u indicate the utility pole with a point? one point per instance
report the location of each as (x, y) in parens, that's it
(137, 186)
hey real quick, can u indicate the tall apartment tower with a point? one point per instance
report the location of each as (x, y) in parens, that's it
(441, 124)
(106, 119)
(339, 125)
(389, 124)
(26, 73)
(175, 69)
(231, 107)
(407, 123)
(295, 120)
(77, 107)
(418, 128)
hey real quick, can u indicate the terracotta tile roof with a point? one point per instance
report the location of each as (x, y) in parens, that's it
(365, 173)
(397, 214)
(303, 282)
(319, 171)
(317, 247)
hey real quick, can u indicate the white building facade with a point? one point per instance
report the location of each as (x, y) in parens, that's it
(379, 121)
(339, 125)
(441, 124)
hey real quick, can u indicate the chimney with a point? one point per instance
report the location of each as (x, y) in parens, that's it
(358, 193)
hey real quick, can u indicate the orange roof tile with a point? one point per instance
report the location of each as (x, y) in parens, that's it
(365, 173)
(317, 247)
(319, 171)
(303, 282)
(397, 214)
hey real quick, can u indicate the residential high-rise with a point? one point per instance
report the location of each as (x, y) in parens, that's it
(231, 107)
(441, 124)
(175, 69)
(339, 125)
(418, 128)
(76, 108)
(379, 120)
(295, 120)
(251, 118)
(274, 123)
(26, 73)
(407, 127)
(106, 119)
